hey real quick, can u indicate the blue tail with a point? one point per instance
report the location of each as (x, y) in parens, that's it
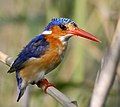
(21, 93)
(20, 86)
(19, 80)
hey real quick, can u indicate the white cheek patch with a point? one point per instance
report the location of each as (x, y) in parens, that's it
(47, 32)
(63, 38)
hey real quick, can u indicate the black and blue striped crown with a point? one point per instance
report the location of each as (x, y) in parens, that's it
(58, 21)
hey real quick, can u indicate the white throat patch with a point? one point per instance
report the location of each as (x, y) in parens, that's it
(47, 32)
(65, 38)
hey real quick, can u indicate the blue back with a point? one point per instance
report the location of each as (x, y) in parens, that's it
(35, 48)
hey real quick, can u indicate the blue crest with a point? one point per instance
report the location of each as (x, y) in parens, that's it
(58, 21)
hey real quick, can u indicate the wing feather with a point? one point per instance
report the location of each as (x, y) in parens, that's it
(35, 48)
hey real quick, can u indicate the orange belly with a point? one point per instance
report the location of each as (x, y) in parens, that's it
(46, 63)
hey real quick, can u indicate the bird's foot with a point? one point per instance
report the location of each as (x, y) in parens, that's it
(44, 84)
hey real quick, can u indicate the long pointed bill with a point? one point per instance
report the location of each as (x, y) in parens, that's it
(84, 34)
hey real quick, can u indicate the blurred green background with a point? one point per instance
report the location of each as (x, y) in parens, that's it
(21, 20)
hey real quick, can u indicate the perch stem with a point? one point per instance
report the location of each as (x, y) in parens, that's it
(44, 85)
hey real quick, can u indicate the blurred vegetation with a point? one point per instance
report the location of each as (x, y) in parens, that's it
(21, 20)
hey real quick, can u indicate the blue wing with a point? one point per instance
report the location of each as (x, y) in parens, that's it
(35, 48)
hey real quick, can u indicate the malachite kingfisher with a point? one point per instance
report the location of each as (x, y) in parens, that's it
(45, 52)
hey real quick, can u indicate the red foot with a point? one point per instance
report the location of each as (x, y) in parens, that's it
(44, 84)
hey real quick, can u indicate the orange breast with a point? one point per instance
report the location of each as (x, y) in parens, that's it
(47, 62)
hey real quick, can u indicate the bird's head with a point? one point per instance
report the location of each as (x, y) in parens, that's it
(64, 28)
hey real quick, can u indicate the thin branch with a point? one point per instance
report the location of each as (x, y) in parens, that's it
(51, 90)
(106, 75)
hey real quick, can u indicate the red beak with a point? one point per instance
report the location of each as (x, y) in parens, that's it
(84, 34)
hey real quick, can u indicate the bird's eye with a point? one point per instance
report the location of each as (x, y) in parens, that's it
(74, 24)
(63, 27)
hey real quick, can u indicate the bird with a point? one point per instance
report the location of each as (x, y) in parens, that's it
(45, 52)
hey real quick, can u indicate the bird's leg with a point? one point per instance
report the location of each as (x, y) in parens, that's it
(44, 84)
